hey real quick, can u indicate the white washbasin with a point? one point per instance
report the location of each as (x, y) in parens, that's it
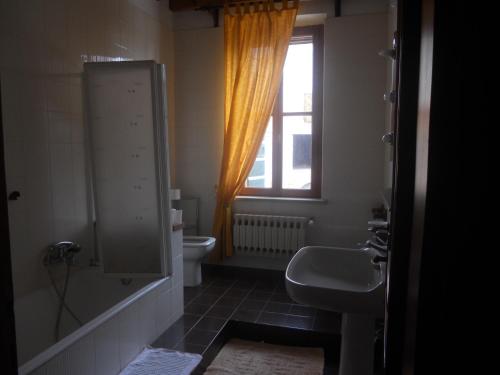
(337, 279)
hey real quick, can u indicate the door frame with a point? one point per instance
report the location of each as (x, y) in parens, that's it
(8, 326)
(432, 175)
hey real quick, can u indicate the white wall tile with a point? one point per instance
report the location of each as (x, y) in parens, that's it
(147, 317)
(59, 127)
(107, 347)
(178, 271)
(42, 370)
(81, 356)
(59, 365)
(130, 335)
(178, 302)
(35, 129)
(14, 159)
(44, 44)
(166, 285)
(164, 310)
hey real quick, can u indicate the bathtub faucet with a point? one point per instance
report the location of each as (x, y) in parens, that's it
(59, 252)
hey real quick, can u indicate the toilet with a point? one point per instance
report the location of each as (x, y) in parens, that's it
(195, 248)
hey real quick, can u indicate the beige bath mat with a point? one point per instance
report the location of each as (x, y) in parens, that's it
(239, 357)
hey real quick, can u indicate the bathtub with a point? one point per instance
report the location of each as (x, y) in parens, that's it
(119, 320)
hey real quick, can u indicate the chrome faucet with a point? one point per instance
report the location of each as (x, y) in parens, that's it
(377, 246)
(63, 251)
(379, 239)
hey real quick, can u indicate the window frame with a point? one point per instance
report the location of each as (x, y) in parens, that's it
(300, 35)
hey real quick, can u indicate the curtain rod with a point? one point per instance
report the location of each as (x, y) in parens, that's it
(231, 3)
(214, 10)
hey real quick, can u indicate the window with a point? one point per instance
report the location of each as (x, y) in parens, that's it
(288, 163)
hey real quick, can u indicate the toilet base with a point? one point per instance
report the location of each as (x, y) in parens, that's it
(192, 273)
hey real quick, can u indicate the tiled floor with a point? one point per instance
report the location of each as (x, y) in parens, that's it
(209, 306)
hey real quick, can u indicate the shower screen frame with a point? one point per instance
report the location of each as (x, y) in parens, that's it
(160, 258)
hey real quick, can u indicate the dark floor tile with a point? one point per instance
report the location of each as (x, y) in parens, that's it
(236, 293)
(301, 322)
(220, 312)
(281, 297)
(244, 284)
(210, 324)
(246, 315)
(190, 348)
(192, 291)
(281, 287)
(206, 299)
(251, 304)
(260, 296)
(226, 283)
(196, 309)
(188, 321)
(271, 318)
(302, 310)
(206, 282)
(263, 286)
(170, 338)
(217, 290)
(200, 337)
(277, 307)
(228, 301)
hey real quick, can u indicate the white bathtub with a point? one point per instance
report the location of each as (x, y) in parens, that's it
(119, 320)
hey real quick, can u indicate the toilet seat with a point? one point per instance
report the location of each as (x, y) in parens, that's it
(198, 241)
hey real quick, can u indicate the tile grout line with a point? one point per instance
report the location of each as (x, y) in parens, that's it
(230, 316)
(205, 314)
(197, 321)
(265, 305)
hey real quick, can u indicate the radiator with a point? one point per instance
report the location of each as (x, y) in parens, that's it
(265, 235)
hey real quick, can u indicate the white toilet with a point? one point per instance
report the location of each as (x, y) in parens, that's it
(194, 250)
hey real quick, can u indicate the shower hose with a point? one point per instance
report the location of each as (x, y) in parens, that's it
(62, 300)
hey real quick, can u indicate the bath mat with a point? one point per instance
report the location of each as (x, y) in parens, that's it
(240, 357)
(157, 361)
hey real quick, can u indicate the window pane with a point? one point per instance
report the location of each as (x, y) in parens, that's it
(261, 175)
(297, 155)
(298, 78)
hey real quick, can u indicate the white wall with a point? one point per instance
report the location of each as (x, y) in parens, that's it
(199, 103)
(354, 115)
(43, 45)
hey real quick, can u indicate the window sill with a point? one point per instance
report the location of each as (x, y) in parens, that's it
(280, 199)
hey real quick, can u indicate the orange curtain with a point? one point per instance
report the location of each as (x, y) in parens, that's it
(256, 41)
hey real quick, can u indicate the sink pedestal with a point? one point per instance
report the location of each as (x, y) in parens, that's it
(357, 344)
(346, 281)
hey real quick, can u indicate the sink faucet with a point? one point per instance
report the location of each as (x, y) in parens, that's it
(377, 246)
(377, 260)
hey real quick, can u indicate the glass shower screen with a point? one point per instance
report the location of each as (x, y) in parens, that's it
(127, 133)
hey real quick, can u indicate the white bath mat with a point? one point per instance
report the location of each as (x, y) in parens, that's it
(240, 357)
(157, 361)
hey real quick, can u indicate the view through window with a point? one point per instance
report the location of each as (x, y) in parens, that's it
(289, 159)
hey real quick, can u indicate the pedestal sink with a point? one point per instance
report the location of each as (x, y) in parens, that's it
(346, 281)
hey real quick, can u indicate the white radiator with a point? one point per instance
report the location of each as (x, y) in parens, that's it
(265, 235)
